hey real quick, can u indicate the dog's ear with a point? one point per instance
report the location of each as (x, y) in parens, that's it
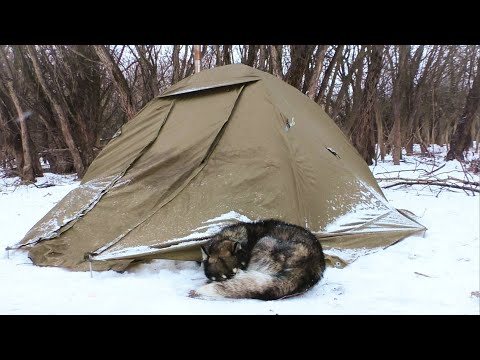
(236, 247)
(204, 252)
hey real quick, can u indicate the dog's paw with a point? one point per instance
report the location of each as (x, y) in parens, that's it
(193, 294)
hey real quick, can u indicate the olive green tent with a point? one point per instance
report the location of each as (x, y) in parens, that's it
(227, 144)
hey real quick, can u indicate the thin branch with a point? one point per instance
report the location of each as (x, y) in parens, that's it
(70, 48)
(403, 181)
(431, 172)
(428, 181)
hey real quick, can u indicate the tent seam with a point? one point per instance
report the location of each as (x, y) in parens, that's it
(199, 168)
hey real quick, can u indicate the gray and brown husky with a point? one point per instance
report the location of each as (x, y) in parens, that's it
(265, 260)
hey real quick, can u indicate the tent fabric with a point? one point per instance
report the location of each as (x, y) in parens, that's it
(227, 144)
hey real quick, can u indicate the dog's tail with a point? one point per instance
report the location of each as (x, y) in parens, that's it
(252, 284)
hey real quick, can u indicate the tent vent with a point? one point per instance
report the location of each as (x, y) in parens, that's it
(333, 152)
(289, 123)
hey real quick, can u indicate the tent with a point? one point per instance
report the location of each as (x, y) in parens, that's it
(227, 144)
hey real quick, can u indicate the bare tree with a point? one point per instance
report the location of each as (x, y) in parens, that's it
(176, 64)
(363, 136)
(397, 101)
(262, 57)
(62, 116)
(276, 60)
(27, 171)
(462, 137)
(352, 68)
(118, 79)
(353, 103)
(227, 54)
(149, 71)
(317, 70)
(326, 77)
(251, 55)
(299, 58)
(331, 88)
(79, 95)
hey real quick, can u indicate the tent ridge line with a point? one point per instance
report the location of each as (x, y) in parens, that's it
(189, 90)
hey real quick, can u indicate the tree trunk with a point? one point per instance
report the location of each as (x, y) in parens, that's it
(380, 134)
(183, 67)
(27, 171)
(328, 99)
(276, 61)
(190, 63)
(251, 55)
(149, 74)
(351, 114)
(462, 137)
(317, 70)
(10, 137)
(262, 57)
(64, 124)
(412, 95)
(227, 56)
(12, 145)
(338, 51)
(218, 56)
(176, 64)
(299, 58)
(397, 96)
(363, 136)
(357, 64)
(118, 79)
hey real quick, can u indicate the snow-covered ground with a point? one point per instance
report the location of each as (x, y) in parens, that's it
(437, 273)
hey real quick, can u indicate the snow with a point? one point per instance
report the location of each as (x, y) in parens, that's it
(433, 273)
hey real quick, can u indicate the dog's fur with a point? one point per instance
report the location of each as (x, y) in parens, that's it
(266, 260)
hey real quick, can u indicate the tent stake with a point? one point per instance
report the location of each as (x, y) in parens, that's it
(89, 258)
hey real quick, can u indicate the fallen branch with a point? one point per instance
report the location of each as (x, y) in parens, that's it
(415, 272)
(429, 181)
(50, 151)
(440, 167)
(399, 171)
(474, 183)
(403, 181)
